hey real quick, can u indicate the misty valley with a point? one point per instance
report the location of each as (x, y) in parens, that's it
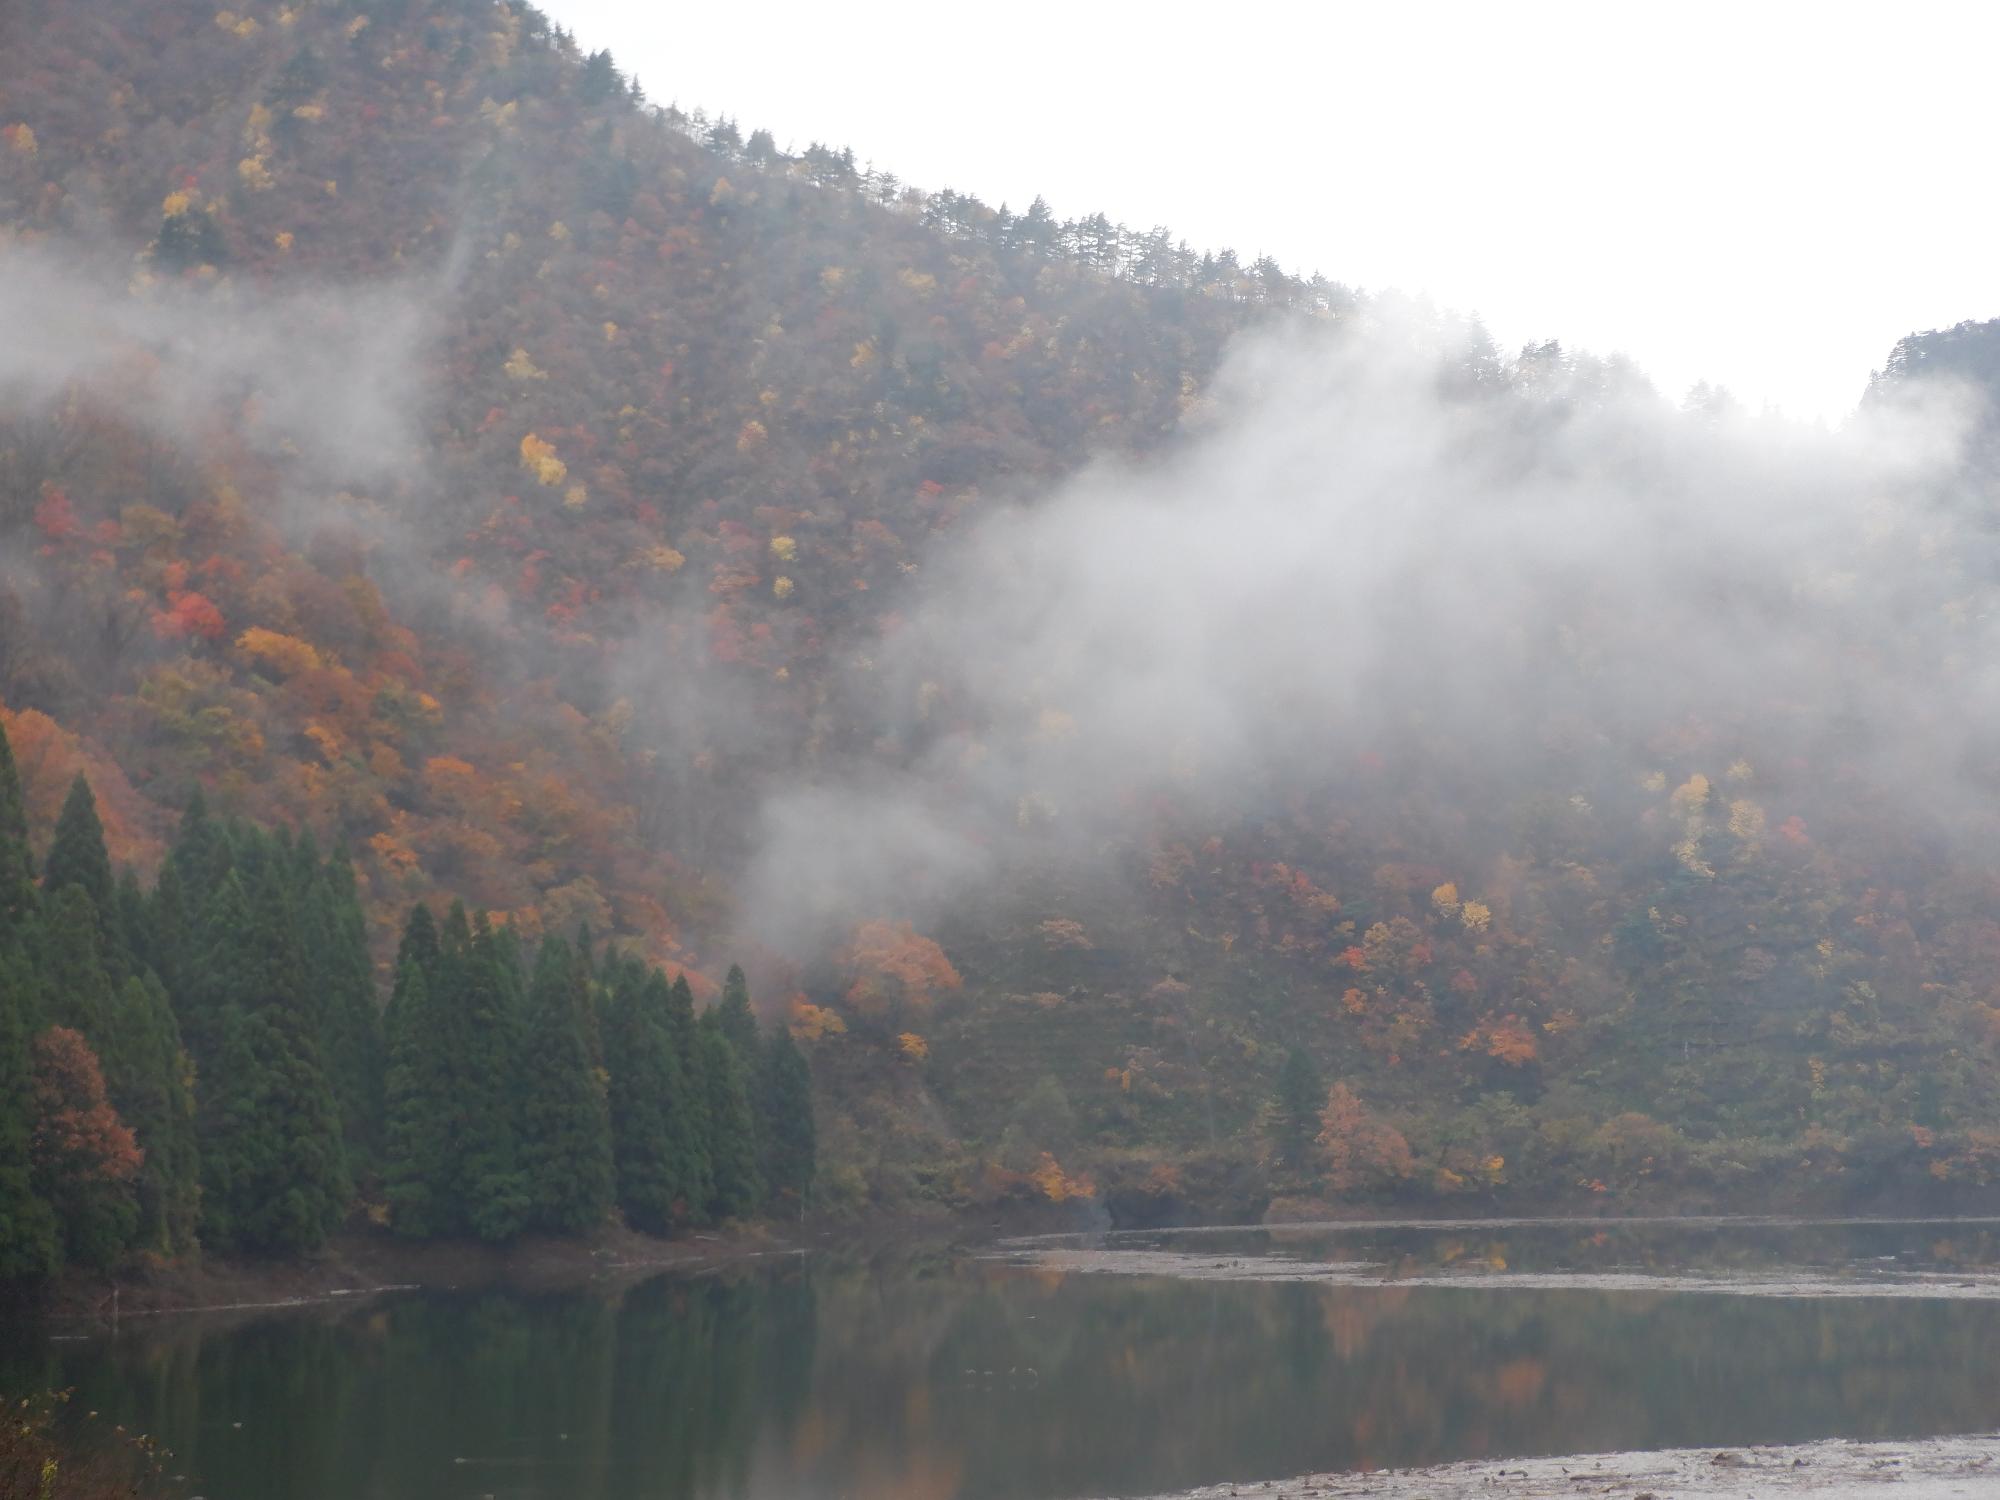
(679, 819)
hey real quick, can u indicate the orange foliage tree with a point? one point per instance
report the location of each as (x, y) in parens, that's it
(1361, 1151)
(894, 968)
(84, 1157)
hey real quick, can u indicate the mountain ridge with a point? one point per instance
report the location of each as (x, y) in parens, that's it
(446, 455)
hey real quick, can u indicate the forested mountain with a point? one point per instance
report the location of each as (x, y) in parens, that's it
(1969, 351)
(414, 442)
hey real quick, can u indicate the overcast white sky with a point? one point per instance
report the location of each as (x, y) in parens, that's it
(1762, 194)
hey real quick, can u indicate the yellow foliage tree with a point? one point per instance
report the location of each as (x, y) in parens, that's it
(1058, 1186)
(538, 457)
(1063, 933)
(1746, 820)
(286, 655)
(257, 129)
(520, 366)
(812, 1022)
(1690, 798)
(1507, 1039)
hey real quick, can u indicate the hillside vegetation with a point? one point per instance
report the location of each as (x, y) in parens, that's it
(416, 440)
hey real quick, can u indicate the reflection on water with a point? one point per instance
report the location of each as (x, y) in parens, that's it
(935, 1377)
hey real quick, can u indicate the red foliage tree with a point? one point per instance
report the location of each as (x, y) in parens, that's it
(77, 1134)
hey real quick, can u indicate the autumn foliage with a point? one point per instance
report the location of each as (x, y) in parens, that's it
(1361, 1152)
(692, 420)
(78, 1137)
(895, 968)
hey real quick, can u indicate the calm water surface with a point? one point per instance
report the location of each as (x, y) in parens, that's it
(959, 1377)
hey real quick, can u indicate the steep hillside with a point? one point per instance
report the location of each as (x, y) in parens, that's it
(414, 437)
(662, 426)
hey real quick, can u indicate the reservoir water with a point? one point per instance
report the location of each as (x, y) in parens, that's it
(1108, 1366)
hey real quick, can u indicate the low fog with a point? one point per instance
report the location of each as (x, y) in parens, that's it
(1370, 550)
(327, 375)
(1374, 557)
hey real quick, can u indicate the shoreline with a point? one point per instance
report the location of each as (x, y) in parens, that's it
(362, 1262)
(357, 1265)
(1831, 1469)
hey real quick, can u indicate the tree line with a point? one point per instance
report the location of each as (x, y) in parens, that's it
(1154, 257)
(207, 1063)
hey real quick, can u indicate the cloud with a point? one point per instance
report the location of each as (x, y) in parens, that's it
(327, 376)
(1360, 555)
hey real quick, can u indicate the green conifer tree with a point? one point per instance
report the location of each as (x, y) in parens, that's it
(738, 1021)
(651, 1152)
(201, 855)
(789, 1136)
(341, 978)
(76, 981)
(183, 910)
(732, 1143)
(417, 1140)
(169, 929)
(1295, 1123)
(419, 947)
(677, 1001)
(587, 997)
(134, 927)
(417, 1145)
(17, 862)
(150, 1080)
(479, 997)
(565, 1126)
(274, 1175)
(77, 856)
(28, 1244)
(738, 1024)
